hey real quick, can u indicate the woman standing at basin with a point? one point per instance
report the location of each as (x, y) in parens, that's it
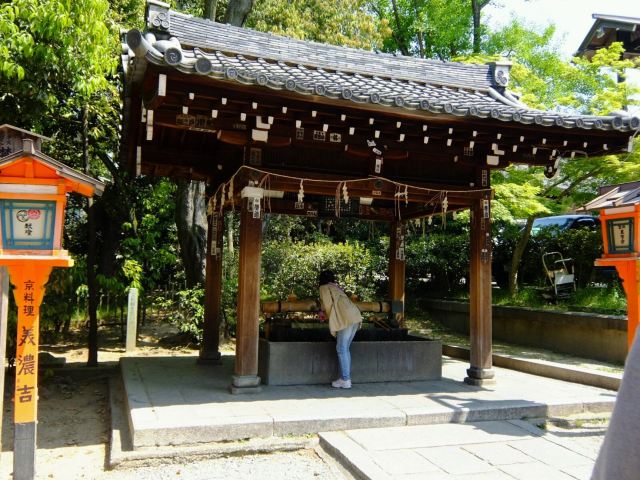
(344, 321)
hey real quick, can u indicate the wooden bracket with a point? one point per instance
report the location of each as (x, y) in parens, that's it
(153, 101)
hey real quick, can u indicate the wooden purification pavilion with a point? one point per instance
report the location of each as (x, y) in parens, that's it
(302, 128)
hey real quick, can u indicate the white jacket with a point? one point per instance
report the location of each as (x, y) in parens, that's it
(340, 310)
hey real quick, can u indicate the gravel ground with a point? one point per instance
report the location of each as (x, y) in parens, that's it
(301, 465)
(73, 432)
(74, 427)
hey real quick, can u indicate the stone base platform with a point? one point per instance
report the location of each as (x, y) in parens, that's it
(175, 401)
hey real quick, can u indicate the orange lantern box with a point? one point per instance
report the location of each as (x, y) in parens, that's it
(33, 197)
(619, 207)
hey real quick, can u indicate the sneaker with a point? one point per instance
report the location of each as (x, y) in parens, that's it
(340, 383)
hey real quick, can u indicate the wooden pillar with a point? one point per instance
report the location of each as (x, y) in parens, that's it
(246, 378)
(396, 270)
(210, 353)
(480, 371)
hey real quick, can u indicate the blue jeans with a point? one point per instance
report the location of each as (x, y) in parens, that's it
(344, 338)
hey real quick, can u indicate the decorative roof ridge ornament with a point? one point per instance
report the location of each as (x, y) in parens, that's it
(158, 15)
(501, 70)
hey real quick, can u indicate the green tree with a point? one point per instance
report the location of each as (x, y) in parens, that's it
(57, 60)
(545, 81)
(338, 22)
(426, 28)
(476, 12)
(44, 69)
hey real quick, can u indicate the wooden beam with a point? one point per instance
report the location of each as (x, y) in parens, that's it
(458, 147)
(155, 98)
(540, 151)
(480, 371)
(210, 353)
(245, 379)
(325, 106)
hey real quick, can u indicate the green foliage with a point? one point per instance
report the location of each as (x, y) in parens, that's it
(148, 250)
(517, 193)
(58, 306)
(230, 291)
(525, 297)
(611, 300)
(546, 81)
(190, 312)
(338, 22)
(426, 28)
(51, 53)
(441, 256)
(581, 245)
(293, 267)
(293, 227)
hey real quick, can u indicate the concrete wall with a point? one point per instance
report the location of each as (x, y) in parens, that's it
(306, 363)
(599, 337)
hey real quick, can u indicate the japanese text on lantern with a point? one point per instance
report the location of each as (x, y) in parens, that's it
(26, 354)
(620, 231)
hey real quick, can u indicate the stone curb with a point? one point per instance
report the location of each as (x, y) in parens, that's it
(122, 455)
(543, 369)
(351, 456)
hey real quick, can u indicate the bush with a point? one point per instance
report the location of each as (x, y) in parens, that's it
(439, 256)
(293, 267)
(583, 246)
(190, 312)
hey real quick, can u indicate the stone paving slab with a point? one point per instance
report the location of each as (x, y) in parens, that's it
(472, 451)
(174, 401)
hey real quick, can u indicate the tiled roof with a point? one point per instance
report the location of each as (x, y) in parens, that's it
(596, 37)
(204, 34)
(622, 195)
(196, 46)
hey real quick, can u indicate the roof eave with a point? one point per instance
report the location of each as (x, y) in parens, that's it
(60, 168)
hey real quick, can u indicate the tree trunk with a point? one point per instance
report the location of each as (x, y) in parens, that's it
(477, 6)
(191, 220)
(92, 360)
(238, 11)
(210, 7)
(400, 41)
(517, 256)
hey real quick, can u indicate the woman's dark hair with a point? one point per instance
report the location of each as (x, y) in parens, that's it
(326, 276)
